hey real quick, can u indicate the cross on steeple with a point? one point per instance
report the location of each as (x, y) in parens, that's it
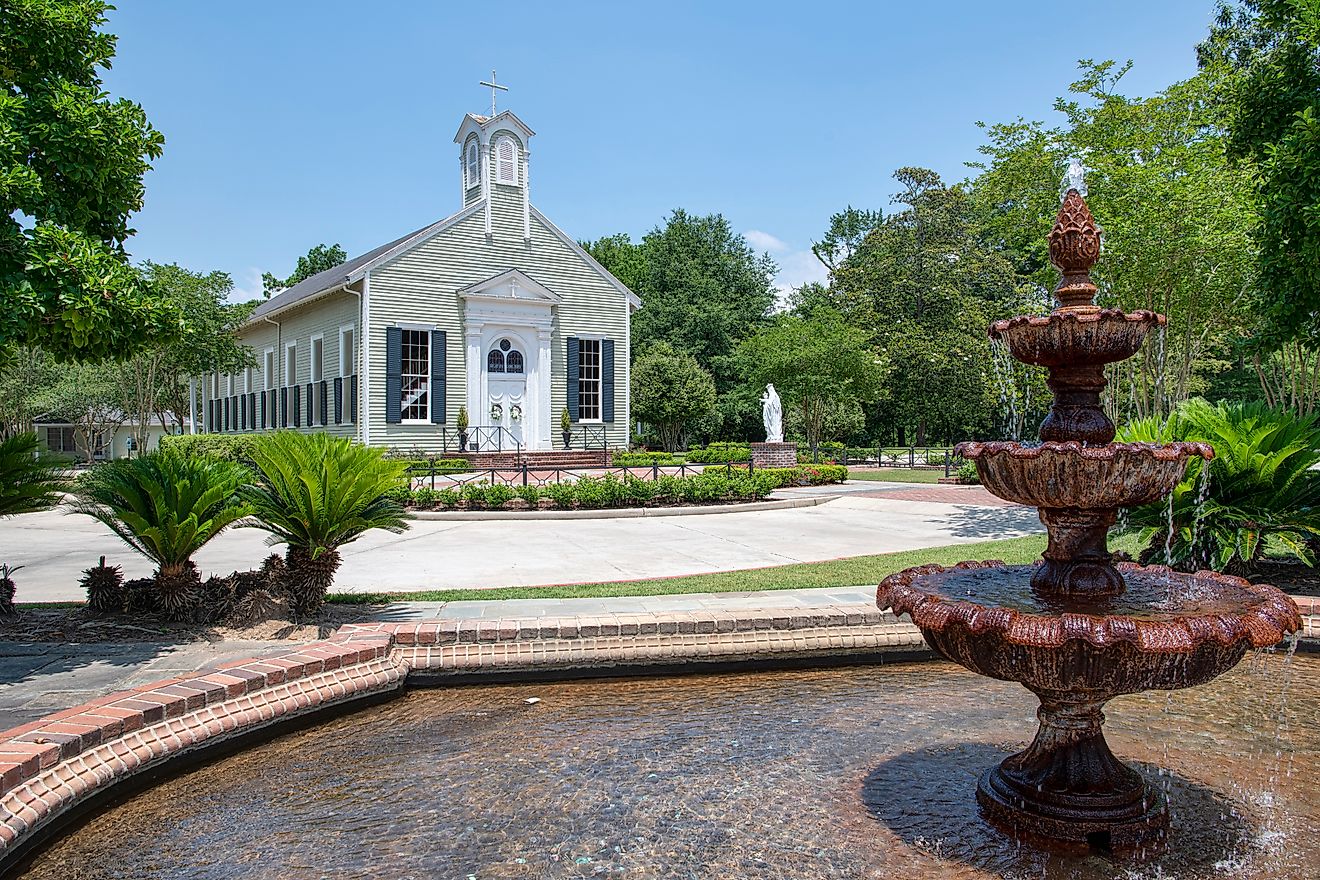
(495, 88)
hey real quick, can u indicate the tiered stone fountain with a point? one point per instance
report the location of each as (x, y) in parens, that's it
(1077, 629)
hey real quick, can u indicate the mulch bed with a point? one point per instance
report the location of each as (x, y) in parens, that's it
(1293, 578)
(80, 625)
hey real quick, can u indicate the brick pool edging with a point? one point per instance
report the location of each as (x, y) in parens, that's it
(51, 766)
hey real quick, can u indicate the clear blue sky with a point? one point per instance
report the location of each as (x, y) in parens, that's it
(293, 123)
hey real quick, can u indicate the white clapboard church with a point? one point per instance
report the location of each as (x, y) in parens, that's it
(493, 309)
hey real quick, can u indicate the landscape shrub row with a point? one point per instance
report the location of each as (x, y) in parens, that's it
(226, 447)
(646, 459)
(719, 453)
(716, 486)
(802, 475)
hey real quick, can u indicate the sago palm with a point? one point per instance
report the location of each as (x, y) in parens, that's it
(316, 493)
(166, 506)
(1260, 486)
(31, 479)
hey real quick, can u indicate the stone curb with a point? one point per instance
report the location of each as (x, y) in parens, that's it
(624, 512)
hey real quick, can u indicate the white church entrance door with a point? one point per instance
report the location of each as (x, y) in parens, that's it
(506, 388)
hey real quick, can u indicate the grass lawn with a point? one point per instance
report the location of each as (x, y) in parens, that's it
(896, 475)
(846, 572)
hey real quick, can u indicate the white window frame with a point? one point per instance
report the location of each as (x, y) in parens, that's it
(599, 342)
(268, 365)
(316, 367)
(247, 380)
(347, 353)
(426, 330)
(229, 385)
(290, 365)
(513, 161)
(472, 163)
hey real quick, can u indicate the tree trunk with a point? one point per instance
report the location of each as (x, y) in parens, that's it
(310, 579)
(178, 587)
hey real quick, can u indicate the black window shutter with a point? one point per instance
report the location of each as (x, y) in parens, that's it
(311, 404)
(242, 412)
(227, 409)
(284, 407)
(339, 400)
(438, 384)
(574, 373)
(393, 375)
(607, 380)
(352, 398)
(265, 400)
(272, 408)
(252, 410)
(296, 406)
(324, 390)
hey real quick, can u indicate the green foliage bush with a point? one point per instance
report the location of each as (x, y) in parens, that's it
(225, 447)
(1261, 487)
(968, 474)
(715, 485)
(720, 453)
(645, 459)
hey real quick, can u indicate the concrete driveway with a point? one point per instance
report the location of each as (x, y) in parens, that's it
(56, 547)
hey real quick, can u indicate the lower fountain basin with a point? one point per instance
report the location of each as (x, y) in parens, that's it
(1167, 630)
(1070, 474)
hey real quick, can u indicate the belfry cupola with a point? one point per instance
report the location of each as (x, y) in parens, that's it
(493, 159)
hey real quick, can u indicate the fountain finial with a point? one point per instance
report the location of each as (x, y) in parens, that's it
(1075, 245)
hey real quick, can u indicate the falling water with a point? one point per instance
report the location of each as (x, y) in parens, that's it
(1004, 367)
(1199, 556)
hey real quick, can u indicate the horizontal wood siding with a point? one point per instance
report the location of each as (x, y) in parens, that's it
(421, 287)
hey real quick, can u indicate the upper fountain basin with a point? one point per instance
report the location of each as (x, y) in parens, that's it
(1075, 337)
(1168, 630)
(1070, 474)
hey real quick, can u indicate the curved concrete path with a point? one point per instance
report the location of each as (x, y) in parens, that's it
(868, 518)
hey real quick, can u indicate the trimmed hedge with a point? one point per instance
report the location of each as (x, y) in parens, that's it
(720, 453)
(645, 459)
(713, 487)
(228, 447)
(802, 475)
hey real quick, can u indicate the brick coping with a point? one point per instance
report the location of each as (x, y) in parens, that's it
(54, 764)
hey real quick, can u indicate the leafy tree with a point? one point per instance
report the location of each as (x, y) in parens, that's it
(92, 398)
(671, 391)
(1175, 215)
(703, 288)
(26, 377)
(923, 286)
(318, 259)
(71, 168)
(847, 231)
(156, 380)
(1267, 53)
(817, 364)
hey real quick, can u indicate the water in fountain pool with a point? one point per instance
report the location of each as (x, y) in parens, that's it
(864, 772)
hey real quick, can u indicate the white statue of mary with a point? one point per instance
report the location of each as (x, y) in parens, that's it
(772, 413)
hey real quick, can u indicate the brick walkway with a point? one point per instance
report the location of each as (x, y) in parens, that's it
(974, 495)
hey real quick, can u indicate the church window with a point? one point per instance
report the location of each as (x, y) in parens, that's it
(473, 165)
(495, 361)
(416, 376)
(506, 156)
(589, 380)
(514, 362)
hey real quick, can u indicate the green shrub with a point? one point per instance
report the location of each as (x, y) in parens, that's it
(226, 447)
(802, 475)
(720, 453)
(968, 474)
(1261, 487)
(166, 505)
(31, 479)
(645, 459)
(497, 494)
(316, 493)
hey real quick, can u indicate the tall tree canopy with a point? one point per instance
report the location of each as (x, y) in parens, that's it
(317, 259)
(71, 168)
(703, 287)
(1267, 55)
(1175, 215)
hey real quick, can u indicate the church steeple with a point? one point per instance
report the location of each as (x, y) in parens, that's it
(493, 158)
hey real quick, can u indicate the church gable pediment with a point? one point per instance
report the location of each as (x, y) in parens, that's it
(512, 285)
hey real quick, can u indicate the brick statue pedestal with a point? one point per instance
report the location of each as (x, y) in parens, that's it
(774, 455)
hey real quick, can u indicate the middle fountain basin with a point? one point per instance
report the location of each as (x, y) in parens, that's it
(1070, 474)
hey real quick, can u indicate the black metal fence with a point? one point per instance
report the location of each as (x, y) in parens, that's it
(914, 457)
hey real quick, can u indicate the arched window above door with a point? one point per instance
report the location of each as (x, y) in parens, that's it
(495, 361)
(514, 362)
